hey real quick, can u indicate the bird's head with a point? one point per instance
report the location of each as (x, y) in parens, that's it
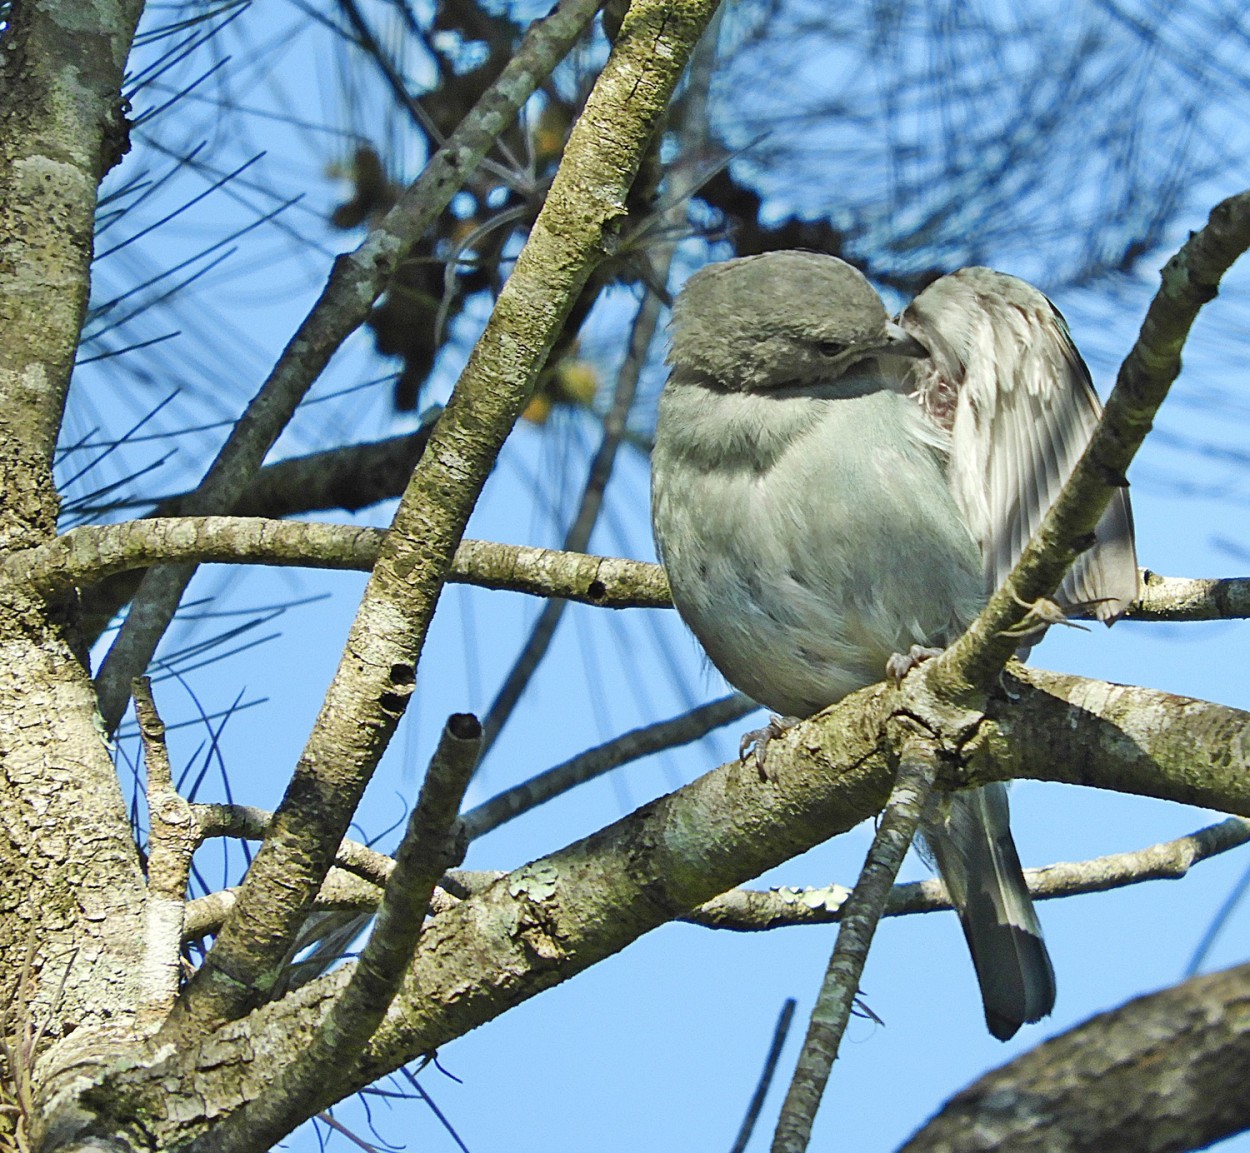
(781, 319)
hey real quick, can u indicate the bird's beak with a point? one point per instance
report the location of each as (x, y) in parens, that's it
(899, 342)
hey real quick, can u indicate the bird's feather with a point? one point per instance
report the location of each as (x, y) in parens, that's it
(1023, 410)
(968, 836)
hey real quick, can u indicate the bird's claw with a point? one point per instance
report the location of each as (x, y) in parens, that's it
(756, 741)
(1042, 613)
(900, 664)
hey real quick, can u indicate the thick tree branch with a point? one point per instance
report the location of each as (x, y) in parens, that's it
(1163, 1074)
(356, 281)
(761, 910)
(62, 128)
(95, 552)
(690, 131)
(1190, 279)
(1118, 737)
(71, 885)
(553, 918)
(369, 691)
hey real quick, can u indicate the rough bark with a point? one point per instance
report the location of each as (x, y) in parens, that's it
(1162, 1074)
(71, 897)
(551, 919)
(61, 128)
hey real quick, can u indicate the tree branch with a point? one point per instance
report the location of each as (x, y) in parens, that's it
(356, 281)
(1162, 1074)
(1163, 598)
(248, 823)
(540, 788)
(62, 127)
(430, 845)
(761, 910)
(351, 477)
(861, 913)
(370, 688)
(343, 891)
(755, 910)
(95, 552)
(551, 919)
(173, 838)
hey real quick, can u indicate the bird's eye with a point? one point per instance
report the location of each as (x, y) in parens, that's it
(831, 348)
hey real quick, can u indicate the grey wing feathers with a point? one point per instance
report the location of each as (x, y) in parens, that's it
(969, 837)
(1005, 378)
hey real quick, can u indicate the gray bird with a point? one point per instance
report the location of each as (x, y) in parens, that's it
(831, 488)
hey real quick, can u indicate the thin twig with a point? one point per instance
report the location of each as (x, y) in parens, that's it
(754, 910)
(916, 773)
(642, 742)
(1217, 923)
(756, 1104)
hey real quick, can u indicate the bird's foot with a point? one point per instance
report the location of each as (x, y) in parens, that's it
(1042, 613)
(756, 741)
(900, 664)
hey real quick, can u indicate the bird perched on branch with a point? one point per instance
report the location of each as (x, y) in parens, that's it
(831, 488)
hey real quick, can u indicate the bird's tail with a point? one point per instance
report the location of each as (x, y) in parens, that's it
(969, 837)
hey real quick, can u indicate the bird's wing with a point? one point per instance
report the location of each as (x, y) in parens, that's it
(1005, 379)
